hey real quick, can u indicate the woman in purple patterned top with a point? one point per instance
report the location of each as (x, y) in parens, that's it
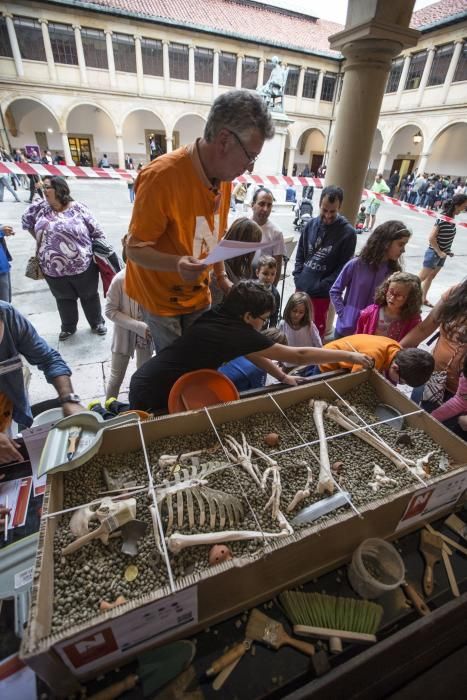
(64, 231)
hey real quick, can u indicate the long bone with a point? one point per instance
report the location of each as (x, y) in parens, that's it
(416, 467)
(325, 480)
(241, 453)
(177, 541)
(302, 493)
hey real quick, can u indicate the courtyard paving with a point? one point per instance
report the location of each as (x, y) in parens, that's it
(87, 354)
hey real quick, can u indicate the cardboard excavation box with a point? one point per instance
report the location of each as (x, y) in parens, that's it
(83, 651)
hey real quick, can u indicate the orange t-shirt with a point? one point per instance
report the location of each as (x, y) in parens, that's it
(381, 349)
(6, 412)
(177, 210)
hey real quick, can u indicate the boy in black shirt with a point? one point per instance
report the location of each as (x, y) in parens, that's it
(220, 335)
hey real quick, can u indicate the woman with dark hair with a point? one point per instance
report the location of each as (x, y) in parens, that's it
(440, 243)
(355, 287)
(64, 231)
(450, 316)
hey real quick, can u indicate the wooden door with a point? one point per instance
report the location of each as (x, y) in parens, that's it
(80, 148)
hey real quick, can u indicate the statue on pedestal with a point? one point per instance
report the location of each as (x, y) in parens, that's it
(273, 90)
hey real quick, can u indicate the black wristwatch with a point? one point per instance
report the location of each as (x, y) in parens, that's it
(69, 398)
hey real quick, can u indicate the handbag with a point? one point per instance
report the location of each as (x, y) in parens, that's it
(435, 387)
(106, 260)
(33, 268)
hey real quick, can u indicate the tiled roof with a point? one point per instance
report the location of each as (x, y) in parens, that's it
(438, 13)
(239, 18)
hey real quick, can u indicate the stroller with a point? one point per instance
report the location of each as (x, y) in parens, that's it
(303, 213)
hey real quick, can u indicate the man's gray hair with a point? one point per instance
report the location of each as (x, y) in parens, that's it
(239, 111)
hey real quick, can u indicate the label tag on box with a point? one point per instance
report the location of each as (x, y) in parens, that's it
(130, 633)
(427, 502)
(24, 578)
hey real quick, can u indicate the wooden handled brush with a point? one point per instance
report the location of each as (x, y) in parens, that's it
(110, 524)
(262, 628)
(431, 546)
(333, 618)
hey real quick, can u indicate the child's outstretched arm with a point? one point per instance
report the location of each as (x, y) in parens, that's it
(313, 356)
(273, 369)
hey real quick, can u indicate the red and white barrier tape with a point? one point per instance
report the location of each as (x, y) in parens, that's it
(10, 168)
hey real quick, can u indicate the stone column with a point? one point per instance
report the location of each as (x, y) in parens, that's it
(260, 73)
(290, 161)
(110, 58)
(166, 66)
(80, 53)
(319, 88)
(139, 64)
(301, 78)
(238, 76)
(425, 75)
(169, 144)
(48, 50)
(421, 165)
(66, 148)
(120, 151)
(215, 74)
(369, 47)
(452, 69)
(382, 161)
(14, 44)
(403, 78)
(191, 71)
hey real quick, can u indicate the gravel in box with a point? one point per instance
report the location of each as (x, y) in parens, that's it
(96, 571)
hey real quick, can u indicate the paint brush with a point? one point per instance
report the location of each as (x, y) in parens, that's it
(74, 435)
(110, 524)
(262, 628)
(6, 518)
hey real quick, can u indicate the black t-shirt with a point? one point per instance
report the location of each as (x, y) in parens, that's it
(213, 339)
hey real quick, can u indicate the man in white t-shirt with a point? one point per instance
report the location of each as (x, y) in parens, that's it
(261, 205)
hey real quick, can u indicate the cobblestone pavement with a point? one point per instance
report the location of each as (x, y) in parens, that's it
(88, 354)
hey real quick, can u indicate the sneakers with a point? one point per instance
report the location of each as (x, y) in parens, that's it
(100, 329)
(96, 406)
(64, 335)
(115, 406)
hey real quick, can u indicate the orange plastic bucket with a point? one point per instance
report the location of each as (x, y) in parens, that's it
(204, 387)
(144, 415)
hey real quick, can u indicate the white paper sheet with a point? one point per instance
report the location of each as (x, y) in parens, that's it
(232, 249)
(34, 439)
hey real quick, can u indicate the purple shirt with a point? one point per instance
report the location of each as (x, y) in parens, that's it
(359, 280)
(65, 237)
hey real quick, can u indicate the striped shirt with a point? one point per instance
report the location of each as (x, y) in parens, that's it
(446, 233)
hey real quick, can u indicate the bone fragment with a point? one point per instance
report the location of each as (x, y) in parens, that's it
(325, 480)
(302, 493)
(79, 523)
(105, 605)
(380, 479)
(242, 453)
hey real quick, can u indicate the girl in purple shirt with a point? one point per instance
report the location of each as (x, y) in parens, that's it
(355, 287)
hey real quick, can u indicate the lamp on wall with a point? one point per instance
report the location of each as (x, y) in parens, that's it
(418, 138)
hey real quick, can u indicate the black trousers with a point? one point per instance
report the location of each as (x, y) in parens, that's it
(67, 291)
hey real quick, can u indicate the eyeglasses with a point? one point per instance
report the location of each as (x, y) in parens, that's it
(251, 159)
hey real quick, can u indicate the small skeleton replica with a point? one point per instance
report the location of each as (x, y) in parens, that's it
(190, 487)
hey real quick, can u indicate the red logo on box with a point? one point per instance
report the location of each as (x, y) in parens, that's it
(90, 648)
(417, 505)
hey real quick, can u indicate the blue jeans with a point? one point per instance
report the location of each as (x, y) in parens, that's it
(5, 287)
(166, 329)
(5, 183)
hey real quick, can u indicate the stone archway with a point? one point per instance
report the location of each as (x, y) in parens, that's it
(187, 128)
(403, 153)
(31, 123)
(144, 135)
(447, 153)
(311, 146)
(91, 134)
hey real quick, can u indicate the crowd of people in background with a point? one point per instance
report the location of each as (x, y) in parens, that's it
(167, 301)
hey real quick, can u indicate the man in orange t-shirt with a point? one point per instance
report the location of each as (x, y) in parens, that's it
(180, 213)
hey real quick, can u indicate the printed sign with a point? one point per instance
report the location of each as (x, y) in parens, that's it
(24, 578)
(428, 501)
(130, 633)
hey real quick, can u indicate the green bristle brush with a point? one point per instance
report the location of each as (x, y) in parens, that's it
(332, 618)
